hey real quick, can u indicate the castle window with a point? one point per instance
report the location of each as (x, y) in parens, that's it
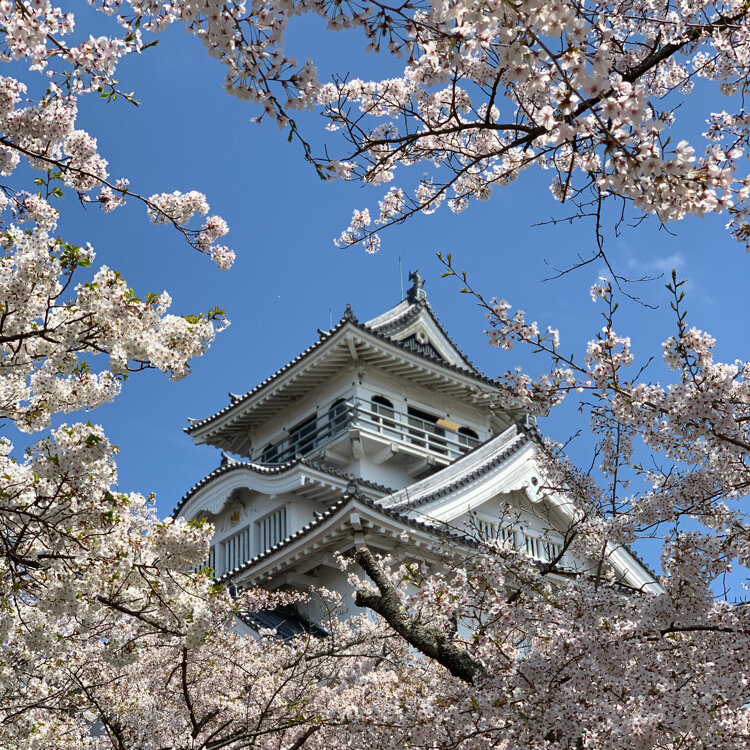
(382, 405)
(272, 529)
(541, 549)
(493, 531)
(209, 563)
(302, 436)
(236, 549)
(383, 413)
(467, 436)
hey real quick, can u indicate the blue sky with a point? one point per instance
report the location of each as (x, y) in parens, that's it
(188, 134)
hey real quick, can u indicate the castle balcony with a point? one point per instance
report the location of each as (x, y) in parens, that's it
(351, 430)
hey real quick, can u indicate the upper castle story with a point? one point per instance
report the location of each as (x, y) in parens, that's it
(388, 401)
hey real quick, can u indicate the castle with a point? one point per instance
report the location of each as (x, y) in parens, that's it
(377, 434)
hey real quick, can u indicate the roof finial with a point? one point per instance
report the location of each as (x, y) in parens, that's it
(416, 291)
(349, 314)
(226, 459)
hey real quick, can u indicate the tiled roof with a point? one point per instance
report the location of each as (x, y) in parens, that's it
(286, 624)
(236, 399)
(640, 561)
(274, 469)
(465, 478)
(347, 319)
(439, 531)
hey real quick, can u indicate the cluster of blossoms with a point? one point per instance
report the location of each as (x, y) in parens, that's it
(178, 209)
(45, 335)
(486, 92)
(44, 132)
(490, 90)
(103, 621)
(360, 222)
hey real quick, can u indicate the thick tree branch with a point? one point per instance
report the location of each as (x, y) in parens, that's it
(430, 641)
(303, 738)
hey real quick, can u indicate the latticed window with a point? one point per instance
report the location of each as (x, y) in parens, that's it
(424, 430)
(209, 562)
(490, 530)
(383, 415)
(272, 529)
(541, 549)
(236, 549)
(468, 437)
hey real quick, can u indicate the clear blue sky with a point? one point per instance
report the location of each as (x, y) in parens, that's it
(188, 134)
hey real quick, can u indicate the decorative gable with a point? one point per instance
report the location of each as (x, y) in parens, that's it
(420, 343)
(413, 324)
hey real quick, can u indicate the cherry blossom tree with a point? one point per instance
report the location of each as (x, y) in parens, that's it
(590, 92)
(589, 663)
(111, 642)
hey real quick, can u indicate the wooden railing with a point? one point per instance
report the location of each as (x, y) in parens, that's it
(371, 417)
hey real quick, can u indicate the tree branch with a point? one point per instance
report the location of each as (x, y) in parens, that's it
(431, 642)
(302, 739)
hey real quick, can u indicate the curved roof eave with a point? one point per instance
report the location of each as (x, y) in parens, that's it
(465, 470)
(276, 469)
(439, 532)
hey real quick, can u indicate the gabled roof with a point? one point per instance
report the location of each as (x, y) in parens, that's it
(354, 520)
(348, 341)
(413, 324)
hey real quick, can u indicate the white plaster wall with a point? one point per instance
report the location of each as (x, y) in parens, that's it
(403, 393)
(318, 401)
(334, 580)
(388, 473)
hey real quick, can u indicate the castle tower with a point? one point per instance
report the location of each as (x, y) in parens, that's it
(379, 433)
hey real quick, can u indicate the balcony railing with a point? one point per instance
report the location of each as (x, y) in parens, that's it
(397, 426)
